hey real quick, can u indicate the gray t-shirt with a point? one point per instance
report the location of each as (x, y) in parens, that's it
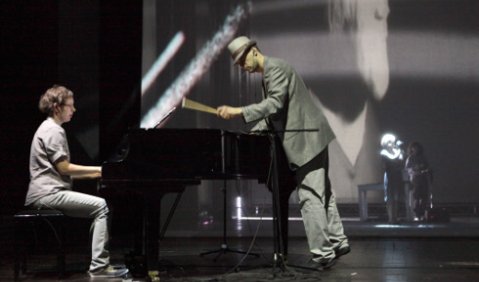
(48, 146)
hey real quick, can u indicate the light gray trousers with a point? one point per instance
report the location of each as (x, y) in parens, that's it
(322, 223)
(82, 205)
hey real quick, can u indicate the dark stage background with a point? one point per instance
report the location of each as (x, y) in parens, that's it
(92, 47)
(101, 49)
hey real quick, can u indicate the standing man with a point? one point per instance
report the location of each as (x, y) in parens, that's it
(51, 173)
(287, 108)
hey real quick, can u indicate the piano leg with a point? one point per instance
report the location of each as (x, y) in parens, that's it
(138, 205)
(151, 227)
(145, 253)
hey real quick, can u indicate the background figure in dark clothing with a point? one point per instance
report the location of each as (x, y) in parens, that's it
(419, 175)
(392, 156)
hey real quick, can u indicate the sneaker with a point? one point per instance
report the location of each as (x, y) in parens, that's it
(323, 263)
(342, 250)
(108, 272)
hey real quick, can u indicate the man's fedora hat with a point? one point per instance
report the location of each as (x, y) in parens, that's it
(239, 46)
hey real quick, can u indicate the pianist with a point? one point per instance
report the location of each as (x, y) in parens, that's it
(51, 174)
(286, 109)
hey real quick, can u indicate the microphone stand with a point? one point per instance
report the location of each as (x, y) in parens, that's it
(224, 245)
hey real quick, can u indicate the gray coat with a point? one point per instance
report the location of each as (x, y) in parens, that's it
(288, 106)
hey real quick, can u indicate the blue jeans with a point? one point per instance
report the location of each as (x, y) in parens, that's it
(82, 205)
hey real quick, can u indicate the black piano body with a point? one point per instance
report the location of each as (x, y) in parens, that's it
(189, 154)
(160, 161)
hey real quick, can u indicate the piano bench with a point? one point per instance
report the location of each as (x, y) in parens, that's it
(28, 222)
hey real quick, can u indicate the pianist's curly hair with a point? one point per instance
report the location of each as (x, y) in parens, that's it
(54, 96)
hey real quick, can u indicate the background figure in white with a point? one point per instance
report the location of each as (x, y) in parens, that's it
(393, 160)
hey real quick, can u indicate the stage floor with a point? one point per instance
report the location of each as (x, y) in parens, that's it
(380, 252)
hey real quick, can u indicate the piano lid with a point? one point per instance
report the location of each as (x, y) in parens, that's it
(189, 153)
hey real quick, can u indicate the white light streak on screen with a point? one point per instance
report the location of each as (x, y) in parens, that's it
(160, 63)
(195, 69)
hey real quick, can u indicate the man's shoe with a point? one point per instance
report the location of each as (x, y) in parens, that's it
(108, 272)
(323, 263)
(341, 251)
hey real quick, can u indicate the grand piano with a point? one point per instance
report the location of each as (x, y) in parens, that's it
(159, 161)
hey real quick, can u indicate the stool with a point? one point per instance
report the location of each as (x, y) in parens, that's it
(363, 199)
(55, 221)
